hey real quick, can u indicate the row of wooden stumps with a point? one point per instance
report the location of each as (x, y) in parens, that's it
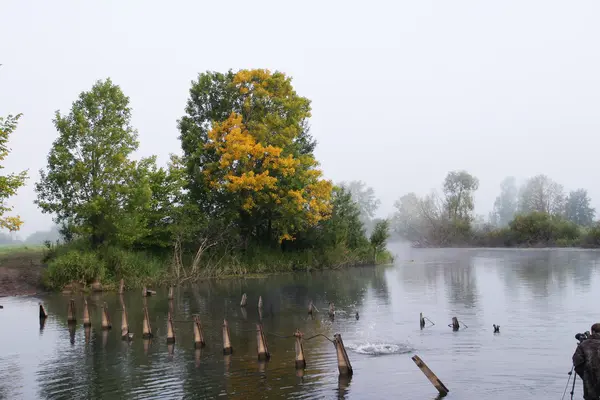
(344, 366)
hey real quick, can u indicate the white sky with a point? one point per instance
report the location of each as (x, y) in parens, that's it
(402, 91)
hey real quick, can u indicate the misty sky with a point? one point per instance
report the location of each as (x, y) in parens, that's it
(402, 91)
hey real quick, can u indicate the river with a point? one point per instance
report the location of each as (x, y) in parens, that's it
(540, 298)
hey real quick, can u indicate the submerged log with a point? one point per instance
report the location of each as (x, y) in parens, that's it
(442, 389)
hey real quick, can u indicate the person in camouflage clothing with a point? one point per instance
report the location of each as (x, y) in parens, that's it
(586, 361)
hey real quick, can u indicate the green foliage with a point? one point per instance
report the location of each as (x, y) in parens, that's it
(364, 196)
(380, 235)
(246, 196)
(90, 184)
(248, 154)
(74, 265)
(591, 237)
(542, 228)
(578, 209)
(459, 187)
(9, 183)
(344, 226)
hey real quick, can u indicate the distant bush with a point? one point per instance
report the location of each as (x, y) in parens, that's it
(591, 238)
(74, 265)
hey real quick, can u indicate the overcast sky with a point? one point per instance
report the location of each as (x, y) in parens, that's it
(402, 91)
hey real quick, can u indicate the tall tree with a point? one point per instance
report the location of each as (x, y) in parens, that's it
(542, 194)
(459, 187)
(505, 206)
(406, 221)
(249, 155)
(578, 209)
(90, 184)
(364, 196)
(9, 184)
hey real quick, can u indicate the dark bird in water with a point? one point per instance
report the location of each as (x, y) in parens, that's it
(357, 317)
(496, 328)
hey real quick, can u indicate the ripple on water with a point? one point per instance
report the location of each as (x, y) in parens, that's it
(379, 349)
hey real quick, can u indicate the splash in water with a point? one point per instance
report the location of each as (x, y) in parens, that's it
(378, 349)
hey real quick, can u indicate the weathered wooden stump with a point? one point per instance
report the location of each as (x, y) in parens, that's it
(344, 366)
(442, 389)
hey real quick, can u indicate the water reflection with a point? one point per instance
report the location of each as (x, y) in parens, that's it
(539, 297)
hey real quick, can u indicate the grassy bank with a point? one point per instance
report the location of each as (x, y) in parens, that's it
(77, 265)
(21, 269)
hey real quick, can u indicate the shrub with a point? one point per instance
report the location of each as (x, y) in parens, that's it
(74, 265)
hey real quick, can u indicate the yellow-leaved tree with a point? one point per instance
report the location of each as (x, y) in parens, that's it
(284, 193)
(249, 154)
(9, 183)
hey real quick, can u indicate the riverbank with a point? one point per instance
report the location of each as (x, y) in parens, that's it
(21, 270)
(70, 268)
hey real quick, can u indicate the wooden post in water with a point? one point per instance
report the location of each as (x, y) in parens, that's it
(106, 324)
(421, 320)
(71, 312)
(147, 329)
(198, 333)
(260, 302)
(344, 366)
(144, 292)
(244, 300)
(261, 344)
(300, 360)
(431, 376)
(171, 292)
(86, 315)
(331, 310)
(170, 329)
(121, 286)
(43, 313)
(310, 307)
(227, 349)
(124, 324)
(455, 324)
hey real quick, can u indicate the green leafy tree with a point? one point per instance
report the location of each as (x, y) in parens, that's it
(344, 227)
(578, 209)
(459, 187)
(380, 236)
(90, 184)
(364, 196)
(9, 184)
(248, 154)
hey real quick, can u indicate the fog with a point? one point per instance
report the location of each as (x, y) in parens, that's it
(402, 92)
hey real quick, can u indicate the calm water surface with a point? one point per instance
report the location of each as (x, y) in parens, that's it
(540, 298)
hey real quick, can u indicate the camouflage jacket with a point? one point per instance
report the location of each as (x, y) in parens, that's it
(586, 361)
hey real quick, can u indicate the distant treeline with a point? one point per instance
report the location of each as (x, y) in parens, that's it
(38, 237)
(538, 213)
(245, 196)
